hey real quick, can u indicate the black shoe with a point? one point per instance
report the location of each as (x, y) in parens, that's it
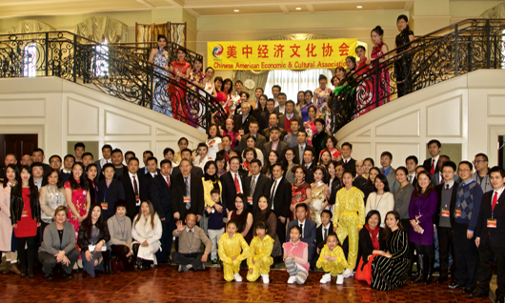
(479, 294)
(67, 276)
(455, 285)
(499, 301)
(48, 277)
(441, 279)
(429, 271)
(468, 291)
(31, 275)
(420, 269)
(22, 274)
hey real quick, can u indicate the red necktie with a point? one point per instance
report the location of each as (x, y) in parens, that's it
(446, 187)
(383, 172)
(345, 161)
(495, 199)
(432, 171)
(168, 182)
(442, 181)
(135, 186)
(237, 185)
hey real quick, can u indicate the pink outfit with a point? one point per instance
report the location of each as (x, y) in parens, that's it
(233, 136)
(297, 251)
(79, 199)
(383, 76)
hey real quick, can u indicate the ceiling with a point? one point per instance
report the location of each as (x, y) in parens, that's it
(18, 8)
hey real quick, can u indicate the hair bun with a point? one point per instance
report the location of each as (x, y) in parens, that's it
(378, 29)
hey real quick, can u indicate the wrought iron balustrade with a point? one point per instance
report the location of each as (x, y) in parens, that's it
(114, 70)
(446, 53)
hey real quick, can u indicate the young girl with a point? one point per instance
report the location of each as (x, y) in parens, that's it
(230, 245)
(296, 255)
(332, 260)
(234, 136)
(349, 218)
(25, 218)
(260, 259)
(320, 195)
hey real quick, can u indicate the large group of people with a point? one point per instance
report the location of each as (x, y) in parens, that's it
(307, 207)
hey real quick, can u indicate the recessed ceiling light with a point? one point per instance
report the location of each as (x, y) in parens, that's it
(359, 6)
(298, 8)
(236, 11)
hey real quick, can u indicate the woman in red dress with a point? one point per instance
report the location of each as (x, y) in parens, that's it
(364, 97)
(301, 191)
(378, 50)
(177, 96)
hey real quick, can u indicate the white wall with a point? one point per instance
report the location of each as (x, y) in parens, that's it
(60, 111)
(467, 110)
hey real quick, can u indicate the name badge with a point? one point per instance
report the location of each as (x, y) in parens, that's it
(458, 213)
(24, 213)
(249, 200)
(187, 199)
(241, 132)
(491, 223)
(105, 205)
(446, 213)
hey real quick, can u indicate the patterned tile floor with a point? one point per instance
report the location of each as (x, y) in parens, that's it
(165, 284)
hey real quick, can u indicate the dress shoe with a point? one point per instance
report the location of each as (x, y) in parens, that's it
(22, 274)
(479, 294)
(499, 301)
(468, 291)
(31, 275)
(48, 277)
(67, 276)
(454, 285)
(441, 279)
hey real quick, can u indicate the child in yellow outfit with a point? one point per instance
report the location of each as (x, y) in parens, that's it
(259, 260)
(230, 245)
(332, 260)
(349, 218)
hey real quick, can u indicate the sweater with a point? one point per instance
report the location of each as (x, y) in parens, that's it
(468, 201)
(120, 229)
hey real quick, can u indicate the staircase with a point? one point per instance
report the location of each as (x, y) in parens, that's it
(455, 50)
(119, 70)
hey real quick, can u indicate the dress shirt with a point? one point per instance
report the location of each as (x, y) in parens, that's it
(66, 171)
(233, 175)
(153, 174)
(499, 192)
(346, 160)
(275, 145)
(282, 110)
(131, 180)
(104, 161)
(411, 178)
(303, 227)
(450, 184)
(289, 116)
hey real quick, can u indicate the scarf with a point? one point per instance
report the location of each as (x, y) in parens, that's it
(374, 233)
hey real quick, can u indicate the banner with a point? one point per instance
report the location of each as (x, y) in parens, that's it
(280, 54)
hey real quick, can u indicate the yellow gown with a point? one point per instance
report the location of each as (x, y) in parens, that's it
(348, 216)
(260, 251)
(336, 267)
(229, 248)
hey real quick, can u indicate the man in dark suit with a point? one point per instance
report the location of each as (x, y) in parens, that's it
(309, 164)
(273, 121)
(243, 120)
(490, 233)
(136, 187)
(271, 108)
(38, 157)
(431, 164)
(280, 196)
(322, 233)
(275, 144)
(437, 178)
(68, 163)
(253, 131)
(233, 184)
(443, 218)
(186, 154)
(302, 146)
(152, 168)
(256, 185)
(285, 119)
(308, 229)
(160, 193)
(145, 156)
(106, 159)
(187, 193)
(349, 162)
(119, 168)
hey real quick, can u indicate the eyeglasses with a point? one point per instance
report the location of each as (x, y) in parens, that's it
(479, 161)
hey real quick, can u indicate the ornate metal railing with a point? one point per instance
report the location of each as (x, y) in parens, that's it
(451, 51)
(110, 70)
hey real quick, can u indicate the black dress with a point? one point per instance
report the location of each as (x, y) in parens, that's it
(403, 65)
(390, 273)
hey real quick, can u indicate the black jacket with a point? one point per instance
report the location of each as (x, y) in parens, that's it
(365, 243)
(262, 188)
(83, 238)
(494, 235)
(282, 198)
(17, 206)
(143, 184)
(319, 235)
(179, 191)
(229, 191)
(161, 196)
(110, 195)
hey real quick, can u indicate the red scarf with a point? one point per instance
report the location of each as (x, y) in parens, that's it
(374, 233)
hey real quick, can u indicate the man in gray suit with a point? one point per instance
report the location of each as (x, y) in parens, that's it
(253, 131)
(274, 144)
(389, 172)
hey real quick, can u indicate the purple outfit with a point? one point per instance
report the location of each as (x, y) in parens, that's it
(425, 207)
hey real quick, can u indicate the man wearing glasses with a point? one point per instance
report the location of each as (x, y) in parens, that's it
(481, 175)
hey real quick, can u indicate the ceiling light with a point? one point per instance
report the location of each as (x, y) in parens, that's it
(298, 8)
(236, 11)
(359, 6)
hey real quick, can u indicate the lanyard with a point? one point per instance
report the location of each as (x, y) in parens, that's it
(419, 203)
(57, 199)
(377, 203)
(122, 228)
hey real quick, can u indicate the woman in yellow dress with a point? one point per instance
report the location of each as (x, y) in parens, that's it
(332, 260)
(349, 218)
(231, 244)
(320, 195)
(260, 260)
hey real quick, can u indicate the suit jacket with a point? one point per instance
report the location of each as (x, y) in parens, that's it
(427, 164)
(260, 142)
(262, 188)
(64, 176)
(439, 188)
(237, 118)
(51, 242)
(365, 243)
(281, 148)
(494, 235)
(179, 191)
(143, 184)
(335, 186)
(161, 196)
(260, 118)
(309, 231)
(297, 117)
(229, 190)
(391, 177)
(319, 235)
(351, 166)
(194, 170)
(110, 195)
(307, 147)
(266, 133)
(282, 198)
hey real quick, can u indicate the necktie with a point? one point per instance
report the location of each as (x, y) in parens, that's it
(495, 199)
(325, 234)
(300, 152)
(301, 227)
(273, 192)
(168, 182)
(135, 186)
(383, 172)
(188, 191)
(432, 170)
(410, 179)
(253, 185)
(442, 180)
(237, 185)
(446, 187)
(345, 161)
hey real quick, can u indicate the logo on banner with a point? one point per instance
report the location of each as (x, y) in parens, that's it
(218, 51)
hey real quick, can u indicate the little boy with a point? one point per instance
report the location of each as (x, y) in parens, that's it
(216, 223)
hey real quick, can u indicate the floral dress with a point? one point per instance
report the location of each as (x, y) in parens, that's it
(322, 103)
(383, 81)
(299, 194)
(79, 199)
(177, 94)
(310, 128)
(161, 102)
(195, 111)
